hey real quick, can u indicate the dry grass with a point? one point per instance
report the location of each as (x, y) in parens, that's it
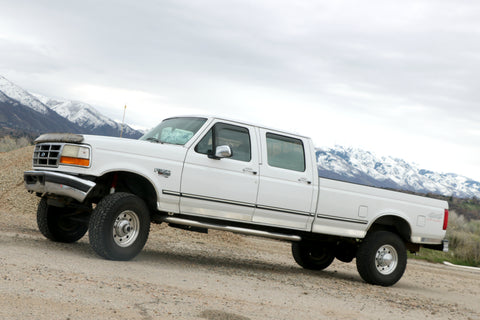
(17, 207)
(13, 195)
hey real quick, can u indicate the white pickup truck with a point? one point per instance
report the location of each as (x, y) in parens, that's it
(200, 173)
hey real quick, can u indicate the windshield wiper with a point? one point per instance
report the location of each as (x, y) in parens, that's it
(154, 140)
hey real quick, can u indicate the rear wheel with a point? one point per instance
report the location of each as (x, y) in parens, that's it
(313, 255)
(382, 258)
(56, 223)
(119, 226)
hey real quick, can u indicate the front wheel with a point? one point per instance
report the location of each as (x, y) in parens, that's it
(56, 223)
(313, 255)
(382, 258)
(119, 226)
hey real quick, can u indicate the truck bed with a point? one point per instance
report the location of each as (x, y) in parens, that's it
(349, 209)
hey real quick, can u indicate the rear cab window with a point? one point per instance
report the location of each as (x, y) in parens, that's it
(285, 152)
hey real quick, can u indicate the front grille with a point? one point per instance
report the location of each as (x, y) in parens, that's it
(47, 154)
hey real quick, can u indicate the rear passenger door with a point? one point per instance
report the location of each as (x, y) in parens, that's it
(286, 195)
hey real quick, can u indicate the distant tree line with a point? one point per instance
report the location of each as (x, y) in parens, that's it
(469, 208)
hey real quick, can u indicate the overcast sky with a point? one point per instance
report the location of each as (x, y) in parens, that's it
(398, 78)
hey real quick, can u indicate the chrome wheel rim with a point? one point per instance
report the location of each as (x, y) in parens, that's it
(386, 259)
(126, 228)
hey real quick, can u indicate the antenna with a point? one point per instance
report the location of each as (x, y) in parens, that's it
(123, 120)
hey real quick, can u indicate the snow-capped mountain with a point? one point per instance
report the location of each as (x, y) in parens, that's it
(359, 166)
(21, 113)
(86, 116)
(21, 110)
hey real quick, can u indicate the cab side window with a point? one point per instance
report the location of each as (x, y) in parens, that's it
(285, 152)
(238, 138)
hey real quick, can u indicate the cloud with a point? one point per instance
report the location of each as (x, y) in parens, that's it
(399, 78)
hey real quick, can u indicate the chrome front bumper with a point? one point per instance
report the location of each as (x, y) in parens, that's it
(57, 183)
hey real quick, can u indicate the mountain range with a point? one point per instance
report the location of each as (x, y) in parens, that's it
(33, 114)
(364, 167)
(23, 112)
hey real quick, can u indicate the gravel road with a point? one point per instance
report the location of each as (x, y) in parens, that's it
(219, 276)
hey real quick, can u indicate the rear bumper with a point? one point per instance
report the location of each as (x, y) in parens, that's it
(57, 183)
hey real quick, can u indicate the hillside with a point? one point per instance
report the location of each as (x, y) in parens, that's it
(17, 205)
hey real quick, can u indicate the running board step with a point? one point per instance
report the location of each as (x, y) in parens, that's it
(251, 232)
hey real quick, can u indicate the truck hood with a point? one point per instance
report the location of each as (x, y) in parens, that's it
(140, 148)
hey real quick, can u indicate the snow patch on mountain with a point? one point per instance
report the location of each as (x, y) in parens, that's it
(3, 97)
(24, 97)
(78, 112)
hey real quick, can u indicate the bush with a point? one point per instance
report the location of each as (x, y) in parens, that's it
(464, 239)
(8, 143)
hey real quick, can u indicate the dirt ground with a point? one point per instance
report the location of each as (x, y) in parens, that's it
(181, 275)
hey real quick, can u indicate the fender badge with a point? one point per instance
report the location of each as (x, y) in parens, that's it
(163, 172)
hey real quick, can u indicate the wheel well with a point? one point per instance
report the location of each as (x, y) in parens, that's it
(125, 182)
(394, 224)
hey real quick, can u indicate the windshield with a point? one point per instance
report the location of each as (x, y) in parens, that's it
(175, 130)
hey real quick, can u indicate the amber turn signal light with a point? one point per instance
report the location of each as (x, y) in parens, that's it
(75, 161)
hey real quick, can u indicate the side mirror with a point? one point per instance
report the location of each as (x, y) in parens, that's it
(223, 152)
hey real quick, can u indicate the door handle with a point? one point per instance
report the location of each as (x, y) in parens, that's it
(250, 170)
(304, 180)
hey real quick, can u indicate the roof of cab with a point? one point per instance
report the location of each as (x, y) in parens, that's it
(219, 118)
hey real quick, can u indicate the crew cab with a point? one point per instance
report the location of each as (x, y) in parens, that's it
(200, 173)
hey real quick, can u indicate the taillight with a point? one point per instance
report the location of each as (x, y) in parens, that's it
(445, 220)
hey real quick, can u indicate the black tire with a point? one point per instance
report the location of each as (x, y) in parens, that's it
(55, 223)
(119, 226)
(313, 255)
(382, 258)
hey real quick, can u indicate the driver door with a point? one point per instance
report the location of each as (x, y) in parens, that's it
(226, 187)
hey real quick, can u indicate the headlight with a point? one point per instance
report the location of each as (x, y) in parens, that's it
(75, 155)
